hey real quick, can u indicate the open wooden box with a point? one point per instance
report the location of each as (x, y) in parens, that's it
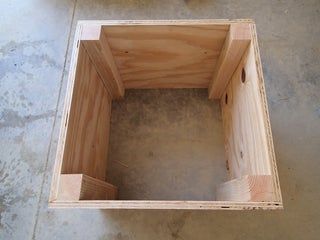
(111, 56)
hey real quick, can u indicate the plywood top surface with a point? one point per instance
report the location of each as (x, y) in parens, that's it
(161, 55)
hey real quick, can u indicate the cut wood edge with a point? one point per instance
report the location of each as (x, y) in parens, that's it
(74, 187)
(274, 169)
(65, 116)
(235, 45)
(165, 22)
(258, 188)
(144, 204)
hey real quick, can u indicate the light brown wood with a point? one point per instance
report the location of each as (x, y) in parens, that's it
(196, 205)
(258, 188)
(236, 43)
(160, 56)
(243, 120)
(88, 126)
(173, 57)
(69, 187)
(266, 118)
(65, 116)
(75, 187)
(102, 59)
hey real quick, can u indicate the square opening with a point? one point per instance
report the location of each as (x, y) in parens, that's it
(166, 115)
(166, 144)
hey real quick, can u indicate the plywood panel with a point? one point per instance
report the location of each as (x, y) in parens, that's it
(88, 127)
(173, 56)
(244, 124)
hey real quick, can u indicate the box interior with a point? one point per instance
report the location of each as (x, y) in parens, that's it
(166, 141)
(166, 144)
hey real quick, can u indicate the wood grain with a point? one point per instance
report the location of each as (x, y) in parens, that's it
(243, 121)
(75, 187)
(65, 116)
(234, 47)
(195, 205)
(249, 145)
(266, 118)
(160, 56)
(89, 120)
(103, 61)
(256, 188)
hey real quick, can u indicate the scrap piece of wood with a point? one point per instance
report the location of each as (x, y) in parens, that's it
(75, 187)
(258, 188)
(234, 47)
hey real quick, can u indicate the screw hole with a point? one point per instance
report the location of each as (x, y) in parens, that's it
(243, 75)
(241, 154)
(226, 99)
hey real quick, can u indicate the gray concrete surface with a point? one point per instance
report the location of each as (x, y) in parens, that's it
(34, 37)
(166, 145)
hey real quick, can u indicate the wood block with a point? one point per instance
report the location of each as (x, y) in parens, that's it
(98, 50)
(236, 43)
(74, 187)
(256, 188)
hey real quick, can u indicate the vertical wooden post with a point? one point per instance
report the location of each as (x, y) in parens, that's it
(234, 47)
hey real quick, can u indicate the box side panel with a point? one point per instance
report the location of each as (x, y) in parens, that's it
(65, 116)
(242, 114)
(248, 139)
(273, 163)
(158, 56)
(89, 120)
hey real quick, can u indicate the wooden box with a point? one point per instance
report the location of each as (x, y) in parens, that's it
(112, 56)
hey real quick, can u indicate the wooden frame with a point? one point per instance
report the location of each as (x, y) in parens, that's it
(111, 56)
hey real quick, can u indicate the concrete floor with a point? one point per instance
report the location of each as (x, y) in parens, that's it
(34, 43)
(166, 145)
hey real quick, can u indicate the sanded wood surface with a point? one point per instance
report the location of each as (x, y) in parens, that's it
(102, 59)
(88, 127)
(234, 47)
(243, 120)
(256, 188)
(181, 56)
(75, 187)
